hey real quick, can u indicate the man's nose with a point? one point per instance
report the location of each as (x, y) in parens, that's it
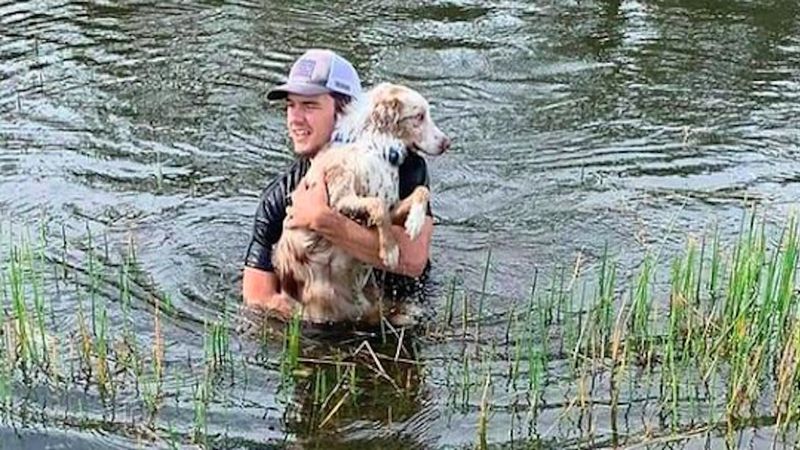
(295, 115)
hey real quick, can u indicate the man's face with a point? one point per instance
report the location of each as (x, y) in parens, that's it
(310, 121)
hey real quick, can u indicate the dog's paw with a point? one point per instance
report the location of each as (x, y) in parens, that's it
(415, 220)
(390, 256)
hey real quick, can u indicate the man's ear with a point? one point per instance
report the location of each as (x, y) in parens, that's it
(386, 114)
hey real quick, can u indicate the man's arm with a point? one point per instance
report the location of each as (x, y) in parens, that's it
(311, 210)
(260, 284)
(362, 243)
(261, 290)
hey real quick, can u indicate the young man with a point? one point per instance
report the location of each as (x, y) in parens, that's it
(320, 85)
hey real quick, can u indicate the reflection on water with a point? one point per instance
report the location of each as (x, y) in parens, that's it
(369, 382)
(575, 124)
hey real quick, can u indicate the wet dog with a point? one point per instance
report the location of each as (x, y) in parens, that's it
(362, 182)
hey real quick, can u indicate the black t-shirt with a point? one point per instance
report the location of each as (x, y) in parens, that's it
(271, 212)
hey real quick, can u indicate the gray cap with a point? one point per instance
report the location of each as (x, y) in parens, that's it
(319, 72)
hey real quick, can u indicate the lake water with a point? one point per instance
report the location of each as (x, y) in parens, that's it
(576, 125)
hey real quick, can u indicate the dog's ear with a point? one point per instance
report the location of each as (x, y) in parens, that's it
(386, 114)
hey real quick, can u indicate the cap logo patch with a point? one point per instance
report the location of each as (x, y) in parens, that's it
(304, 68)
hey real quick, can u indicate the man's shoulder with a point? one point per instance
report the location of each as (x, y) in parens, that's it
(288, 178)
(298, 167)
(413, 172)
(414, 163)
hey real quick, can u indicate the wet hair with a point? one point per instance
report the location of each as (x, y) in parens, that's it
(340, 102)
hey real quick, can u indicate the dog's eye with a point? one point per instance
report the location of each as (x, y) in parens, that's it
(420, 117)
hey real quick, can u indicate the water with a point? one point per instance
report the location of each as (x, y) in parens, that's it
(576, 124)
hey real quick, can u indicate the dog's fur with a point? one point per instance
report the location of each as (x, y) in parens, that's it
(362, 182)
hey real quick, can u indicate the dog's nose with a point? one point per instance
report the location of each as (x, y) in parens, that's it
(445, 145)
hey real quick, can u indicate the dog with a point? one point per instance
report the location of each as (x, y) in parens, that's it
(362, 179)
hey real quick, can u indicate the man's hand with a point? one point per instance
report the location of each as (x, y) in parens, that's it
(261, 292)
(309, 202)
(279, 305)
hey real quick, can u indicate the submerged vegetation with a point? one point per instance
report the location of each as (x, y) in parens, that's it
(701, 345)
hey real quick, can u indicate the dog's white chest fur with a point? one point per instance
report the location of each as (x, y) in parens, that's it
(366, 170)
(379, 177)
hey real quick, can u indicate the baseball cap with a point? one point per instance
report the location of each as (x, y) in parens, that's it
(319, 72)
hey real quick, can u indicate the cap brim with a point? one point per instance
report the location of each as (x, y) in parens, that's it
(280, 92)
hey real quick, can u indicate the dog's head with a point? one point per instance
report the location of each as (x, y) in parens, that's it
(403, 113)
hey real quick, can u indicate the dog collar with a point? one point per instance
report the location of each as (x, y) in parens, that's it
(341, 137)
(395, 155)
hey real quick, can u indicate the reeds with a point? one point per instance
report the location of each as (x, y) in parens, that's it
(700, 342)
(723, 330)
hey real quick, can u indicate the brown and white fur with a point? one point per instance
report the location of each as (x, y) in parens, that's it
(362, 183)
